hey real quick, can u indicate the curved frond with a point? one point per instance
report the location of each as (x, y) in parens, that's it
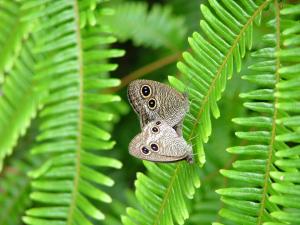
(75, 121)
(163, 194)
(287, 179)
(227, 33)
(254, 201)
(154, 28)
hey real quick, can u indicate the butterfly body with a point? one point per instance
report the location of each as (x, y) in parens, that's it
(152, 100)
(159, 142)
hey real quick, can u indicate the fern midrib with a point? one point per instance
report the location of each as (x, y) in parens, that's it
(273, 135)
(149, 68)
(219, 71)
(80, 116)
(166, 196)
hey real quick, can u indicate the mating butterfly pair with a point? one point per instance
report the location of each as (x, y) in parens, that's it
(161, 110)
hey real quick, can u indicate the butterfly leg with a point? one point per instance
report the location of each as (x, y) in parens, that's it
(186, 102)
(144, 120)
(189, 158)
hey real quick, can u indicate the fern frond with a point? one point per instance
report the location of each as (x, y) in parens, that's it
(19, 102)
(13, 32)
(154, 28)
(286, 180)
(250, 203)
(74, 132)
(163, 194)
(206, 70)
(226, 34)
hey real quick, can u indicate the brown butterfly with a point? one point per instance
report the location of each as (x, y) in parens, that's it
(152, 100)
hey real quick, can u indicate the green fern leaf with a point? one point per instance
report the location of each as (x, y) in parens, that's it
(228, 32)
(206, 70)
(258, 200)
(287, 180)
(156, 28)
(156, 191)
(75, 68)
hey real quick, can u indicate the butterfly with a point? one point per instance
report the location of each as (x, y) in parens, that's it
(152, 100)
(159, 142)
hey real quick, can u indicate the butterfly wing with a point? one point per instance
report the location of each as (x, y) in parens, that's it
(168, 103)
(159, 142)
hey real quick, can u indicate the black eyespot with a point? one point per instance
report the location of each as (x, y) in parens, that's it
(158, 122)
(154, 147)
(146, 91)
(151, 103)
(155, 129)
(145, 150)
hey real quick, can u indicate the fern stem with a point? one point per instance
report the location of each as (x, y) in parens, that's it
(80, 116)
(222, 66)
(273, 134)
(147, 69)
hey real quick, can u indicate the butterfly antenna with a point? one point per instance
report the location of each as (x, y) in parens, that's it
(190, 118)
(192, 138)
(187, 85)
(195, 154)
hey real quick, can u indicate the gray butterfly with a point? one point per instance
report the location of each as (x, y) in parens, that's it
(159, 142)
(152, 100)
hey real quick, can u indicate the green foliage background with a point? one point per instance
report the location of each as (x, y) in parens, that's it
(65, 122)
